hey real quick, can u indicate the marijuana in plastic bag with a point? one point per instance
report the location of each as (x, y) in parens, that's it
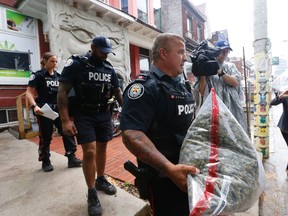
(232, 174)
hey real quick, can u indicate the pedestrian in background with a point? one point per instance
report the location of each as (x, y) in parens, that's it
(43, 85)
(87, 114)
(226, 84)
(157, 111)
(282, 98)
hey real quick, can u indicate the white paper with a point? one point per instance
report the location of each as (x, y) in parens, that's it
(48, 112)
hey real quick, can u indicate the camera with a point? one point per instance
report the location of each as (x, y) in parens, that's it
(204, 60)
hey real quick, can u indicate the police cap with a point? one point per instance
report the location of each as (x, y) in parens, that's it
(103, 43)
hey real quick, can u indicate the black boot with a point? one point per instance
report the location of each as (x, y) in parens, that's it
(73, 161)
(47, 166)
(101, 183)
(94, 206)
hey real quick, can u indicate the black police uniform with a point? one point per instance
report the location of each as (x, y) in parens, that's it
(93, 82)
(163, 109)
(47, 88)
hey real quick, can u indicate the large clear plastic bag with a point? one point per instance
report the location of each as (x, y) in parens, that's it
(232, 175)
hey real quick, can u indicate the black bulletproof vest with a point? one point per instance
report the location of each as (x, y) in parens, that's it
(94, 83)
(47, 88)
(175, 113)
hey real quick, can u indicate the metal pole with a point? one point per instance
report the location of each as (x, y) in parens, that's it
(246, 95)
(262, 67)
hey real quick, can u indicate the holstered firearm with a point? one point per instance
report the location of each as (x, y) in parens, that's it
(142, 179)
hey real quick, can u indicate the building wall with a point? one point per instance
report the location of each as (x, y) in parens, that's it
(43, 42)
(23, 38)
(151, 12)
(174, 14)
(134, 49)
(69, 29)
(171, 15)
(198, 20)
(71, 32)
(115, 3)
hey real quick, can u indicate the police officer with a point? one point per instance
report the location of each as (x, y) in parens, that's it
(157, 111)
(94, 82)
(44, 83)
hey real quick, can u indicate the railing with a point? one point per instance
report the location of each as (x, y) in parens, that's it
(25, 131)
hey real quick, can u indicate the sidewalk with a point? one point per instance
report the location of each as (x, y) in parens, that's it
(27, 190)
(117, 155)
(274, 200)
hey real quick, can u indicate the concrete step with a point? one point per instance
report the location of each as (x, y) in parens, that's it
(27, 190)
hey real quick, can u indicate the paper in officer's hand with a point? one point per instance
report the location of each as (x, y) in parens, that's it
(48, 112)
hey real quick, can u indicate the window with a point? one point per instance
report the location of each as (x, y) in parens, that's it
(3, 117)
(12, 115)
(144, 64)
(199, 33)
(142, 6)
(144, 60)
(189, 25)
(9, 115)
(124, 6)
(189, 28)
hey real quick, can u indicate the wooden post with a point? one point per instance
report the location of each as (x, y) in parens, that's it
(21, 126)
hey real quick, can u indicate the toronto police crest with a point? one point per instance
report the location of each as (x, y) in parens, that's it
(135, 91)
(32, 77)
(68, 62)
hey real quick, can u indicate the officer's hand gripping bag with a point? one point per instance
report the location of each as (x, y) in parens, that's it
(232, 174)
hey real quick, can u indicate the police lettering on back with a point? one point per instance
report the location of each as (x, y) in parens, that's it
(185, 109)
(100, 77)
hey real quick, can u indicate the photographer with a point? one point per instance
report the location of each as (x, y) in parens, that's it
(226, 83)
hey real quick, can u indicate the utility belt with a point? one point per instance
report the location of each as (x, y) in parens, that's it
(95, 108)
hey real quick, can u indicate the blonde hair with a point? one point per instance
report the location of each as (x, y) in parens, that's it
(164, 41)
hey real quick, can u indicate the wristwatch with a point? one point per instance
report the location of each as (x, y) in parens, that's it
(221, 74)
(33, 106)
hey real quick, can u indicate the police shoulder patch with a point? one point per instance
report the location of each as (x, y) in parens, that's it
(32, 77)
(135, 91)
(68, 62)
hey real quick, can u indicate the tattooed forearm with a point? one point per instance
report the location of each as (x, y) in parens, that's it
(142, 147)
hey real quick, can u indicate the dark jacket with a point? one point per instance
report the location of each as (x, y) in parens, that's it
(283, 121)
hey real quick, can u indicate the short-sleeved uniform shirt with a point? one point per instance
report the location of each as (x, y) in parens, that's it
(46, 86)
(92, 72)
(145, 102)
(97, 75)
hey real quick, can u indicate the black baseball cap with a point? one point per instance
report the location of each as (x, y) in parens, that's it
(103, 43)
